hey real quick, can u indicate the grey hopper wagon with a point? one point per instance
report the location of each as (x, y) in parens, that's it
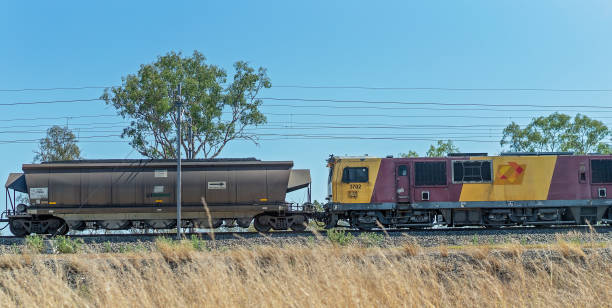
(123, 194)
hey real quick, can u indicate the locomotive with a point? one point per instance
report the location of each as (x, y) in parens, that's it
(462, 189)
(470, 189)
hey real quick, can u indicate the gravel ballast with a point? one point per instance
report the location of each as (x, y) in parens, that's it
(423, 238)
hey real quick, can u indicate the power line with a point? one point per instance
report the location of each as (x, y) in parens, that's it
(354, 87)
(427, 108)
(398, 116)
(51, 102)
(61, 117)
(114, 124)
(52, 89)
(38, 139)
(429, 103)
(445, 88)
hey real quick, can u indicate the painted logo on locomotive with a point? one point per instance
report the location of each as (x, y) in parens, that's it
(511, 173)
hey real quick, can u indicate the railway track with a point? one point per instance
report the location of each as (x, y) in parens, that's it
(229, 235)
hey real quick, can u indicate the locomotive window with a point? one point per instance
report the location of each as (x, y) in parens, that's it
(601, 171)
(429, 173)
(402, 170)
(355, 174)
(471, 171)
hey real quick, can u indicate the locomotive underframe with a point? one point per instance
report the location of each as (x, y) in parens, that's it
(490, 214)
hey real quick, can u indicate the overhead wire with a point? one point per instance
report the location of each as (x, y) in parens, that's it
(428, 103)
(358, 87)
(443, 88)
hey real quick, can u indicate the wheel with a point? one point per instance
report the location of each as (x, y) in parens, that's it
(56, 227)
(259, 226)
(63, 229)
(17, 227)
(298, 227)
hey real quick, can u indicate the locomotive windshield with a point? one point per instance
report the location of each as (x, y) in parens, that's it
(355, 175)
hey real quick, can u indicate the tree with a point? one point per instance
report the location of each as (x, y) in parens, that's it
(557, 132)
(410, 153)
(442, 148)
(59, 144)
(214, 114)
(586, 136)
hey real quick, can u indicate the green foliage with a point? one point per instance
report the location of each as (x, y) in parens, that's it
(198, 243)
(107, 247)
(59, 144)
(318, 206)
(371, 239)
(475, 239)
(587, 135)
(216, 112)
(163, 240)
(558, 132)
(67, 245)
(408, 154)
(339, 237)
(35, 243)
(442, 148)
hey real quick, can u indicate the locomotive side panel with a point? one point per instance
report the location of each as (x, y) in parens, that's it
(432, 182)
(571, 179)
(601, 178)
(385, 189)
(514, 178)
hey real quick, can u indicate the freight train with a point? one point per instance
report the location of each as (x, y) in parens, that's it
(462, 189)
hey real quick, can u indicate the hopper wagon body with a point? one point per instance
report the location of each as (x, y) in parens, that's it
(123, 194)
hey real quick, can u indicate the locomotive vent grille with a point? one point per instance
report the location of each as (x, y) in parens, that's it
(602, 192)
(425, 195)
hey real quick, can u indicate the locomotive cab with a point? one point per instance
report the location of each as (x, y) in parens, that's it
(352, 179)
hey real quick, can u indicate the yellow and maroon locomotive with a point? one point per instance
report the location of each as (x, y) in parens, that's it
(470, 189)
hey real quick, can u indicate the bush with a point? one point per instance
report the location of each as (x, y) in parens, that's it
(371, 239)
(35, 243)
(67, 245)
(339, 237)
(198, 243)
(107, 247)
(174, 251)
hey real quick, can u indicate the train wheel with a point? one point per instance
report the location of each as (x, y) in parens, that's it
(298, 227)
(56, 226)
(261, 224)
(18, 228)
(244, 222)
(63, 230)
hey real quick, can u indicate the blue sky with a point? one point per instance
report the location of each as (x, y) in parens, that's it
(456, 44)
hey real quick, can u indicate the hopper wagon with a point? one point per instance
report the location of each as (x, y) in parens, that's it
(141, 194)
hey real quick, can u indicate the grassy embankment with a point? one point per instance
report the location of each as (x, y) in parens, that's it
(194, 273)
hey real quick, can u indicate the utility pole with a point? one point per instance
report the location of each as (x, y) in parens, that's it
(179, 116)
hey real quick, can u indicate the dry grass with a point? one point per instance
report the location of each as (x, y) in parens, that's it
(312, 276)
